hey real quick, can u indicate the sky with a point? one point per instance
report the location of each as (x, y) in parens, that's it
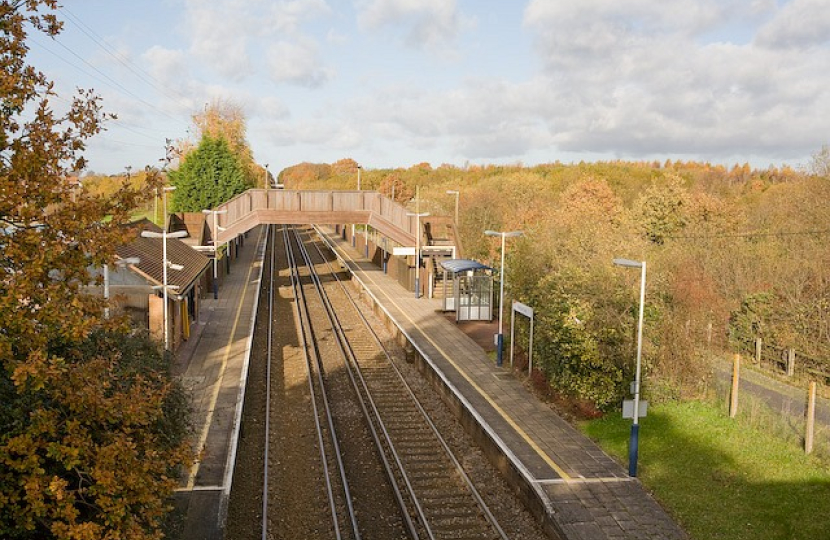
(393, 83)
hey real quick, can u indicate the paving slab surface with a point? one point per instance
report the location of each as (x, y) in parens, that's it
(212, 365)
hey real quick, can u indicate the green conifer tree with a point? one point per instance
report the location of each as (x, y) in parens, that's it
(208, 177)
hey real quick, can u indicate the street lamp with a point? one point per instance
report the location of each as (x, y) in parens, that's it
(633, 446)
(164, 235)
(215, 242)
(122, 263)
(457, 195)
(418, 251)
(500, 335)
(359, 168)
(267, 183)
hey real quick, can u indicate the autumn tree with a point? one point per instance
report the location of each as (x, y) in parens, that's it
(394, 187)
(820, 162)
(223, 119)
(208, 177)
(304, 175)
(660, 210)
(86, 448)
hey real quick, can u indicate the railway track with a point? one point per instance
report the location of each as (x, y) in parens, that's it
(380, 467)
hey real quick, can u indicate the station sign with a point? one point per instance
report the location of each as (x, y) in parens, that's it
(628, 408)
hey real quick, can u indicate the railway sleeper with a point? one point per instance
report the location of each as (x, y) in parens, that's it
(419, 460)
(443, 485)
(446, 498)
(404, 430)
(410, 439)
(424, 474)
(469, 522)
(452, 511)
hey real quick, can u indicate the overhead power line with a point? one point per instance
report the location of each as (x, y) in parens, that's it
(135, 69)
(104, 78)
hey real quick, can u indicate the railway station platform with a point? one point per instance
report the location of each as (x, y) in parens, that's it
(568, 482)
(213, 365)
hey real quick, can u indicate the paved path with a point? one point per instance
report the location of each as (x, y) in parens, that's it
(585, 494)
(213, 365)
(781, 398)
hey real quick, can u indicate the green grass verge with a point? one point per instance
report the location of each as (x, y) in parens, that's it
(721, 479)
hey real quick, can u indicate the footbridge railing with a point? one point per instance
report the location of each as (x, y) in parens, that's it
(281, 206)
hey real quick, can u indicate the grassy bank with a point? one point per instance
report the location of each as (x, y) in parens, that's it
(720, 479)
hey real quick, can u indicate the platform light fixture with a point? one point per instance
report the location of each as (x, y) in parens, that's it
(164, 235)
(500, 335)
(634, 440)
(215, 242)
(359, 169)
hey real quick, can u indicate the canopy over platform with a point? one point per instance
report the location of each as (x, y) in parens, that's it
(456, 266)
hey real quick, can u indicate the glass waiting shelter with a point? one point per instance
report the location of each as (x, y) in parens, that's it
(471, 296)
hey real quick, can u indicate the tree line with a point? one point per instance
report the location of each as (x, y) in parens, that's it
(732, 254)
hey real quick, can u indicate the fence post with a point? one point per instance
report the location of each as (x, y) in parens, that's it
(790, 362)
(811, 418)
(758, 345)
(736, 381)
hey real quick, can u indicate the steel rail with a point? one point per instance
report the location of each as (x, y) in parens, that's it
(348, 356)
(269, 241)
(304, 312)
(296, 287)
(459, 468)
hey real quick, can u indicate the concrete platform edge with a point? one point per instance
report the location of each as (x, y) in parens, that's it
(230, 464)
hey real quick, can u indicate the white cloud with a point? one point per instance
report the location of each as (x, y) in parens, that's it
(480, 120)
(297, 62)
(288, 17)
(272, 108)
(638, 78)
(166, 65)
(426, 23)
(799, 24)
(218, 33)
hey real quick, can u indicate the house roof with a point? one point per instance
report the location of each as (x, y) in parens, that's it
(150, 251)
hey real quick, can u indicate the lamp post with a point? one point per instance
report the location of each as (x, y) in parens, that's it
(164, 235)
(500, 335)
(267, 183)
(359, 168)
(122, 263)
(215, 242)
(418, 251)
(634, 441)
(457, 195)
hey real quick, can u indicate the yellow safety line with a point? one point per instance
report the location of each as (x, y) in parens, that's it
(194, 470)
(502, 412)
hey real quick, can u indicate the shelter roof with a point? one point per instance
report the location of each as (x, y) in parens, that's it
(463, 265)
(149, 251)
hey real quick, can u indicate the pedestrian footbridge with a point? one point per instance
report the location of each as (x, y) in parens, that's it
(389, 234)
(287, 207)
